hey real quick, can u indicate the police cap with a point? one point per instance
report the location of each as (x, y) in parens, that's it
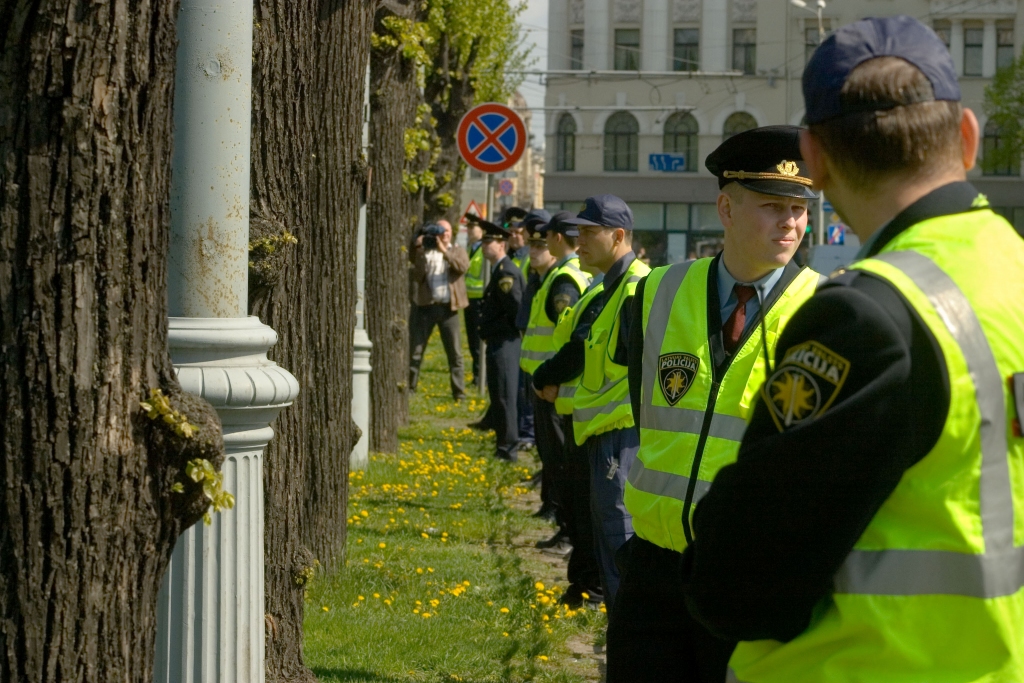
(513, 216)
(605, 210)
(536, 217)
(853, 44)
(558, 224)
(492, 232)
(763, 160)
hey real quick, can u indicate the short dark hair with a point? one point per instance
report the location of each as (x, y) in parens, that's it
(906, 139)
(569, 239)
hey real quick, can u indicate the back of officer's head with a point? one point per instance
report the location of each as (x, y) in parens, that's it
(883, 101)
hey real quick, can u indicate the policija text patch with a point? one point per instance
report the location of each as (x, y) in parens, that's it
(675, 374)
(805, 384)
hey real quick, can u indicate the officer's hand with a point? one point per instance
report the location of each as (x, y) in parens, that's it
(550, 393)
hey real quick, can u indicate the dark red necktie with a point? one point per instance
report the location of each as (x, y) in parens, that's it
(732, 330)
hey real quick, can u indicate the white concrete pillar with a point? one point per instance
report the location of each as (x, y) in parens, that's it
(714, 38)
(655, 52)
(559, 47)
(597, 35)
(210, 612)
(956, 44)
(360, 457)
(988, 49)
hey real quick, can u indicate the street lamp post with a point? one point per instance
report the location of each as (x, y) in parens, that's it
(819, 223)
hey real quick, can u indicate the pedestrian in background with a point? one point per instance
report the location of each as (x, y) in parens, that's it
(439, 293)
(474, 290)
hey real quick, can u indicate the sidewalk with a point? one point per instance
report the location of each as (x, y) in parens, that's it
(441, 581)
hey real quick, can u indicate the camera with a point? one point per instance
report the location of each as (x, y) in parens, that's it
(430, 234)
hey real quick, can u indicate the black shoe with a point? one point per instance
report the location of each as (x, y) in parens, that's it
(546, 512)
(480, 425)
(551, 542)
(560, 549)
(574, 597)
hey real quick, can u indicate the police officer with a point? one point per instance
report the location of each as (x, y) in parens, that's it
(561, 284)
(701, 332)
(522, 227)
(602, 416)
(498, 329)
(474, 289)
(871, 527)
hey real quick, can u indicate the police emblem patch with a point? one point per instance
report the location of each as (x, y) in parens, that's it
(505, 284)
(676, 372)
(561, 302)
(805, 384)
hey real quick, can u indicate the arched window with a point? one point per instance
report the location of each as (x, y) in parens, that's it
(681, 138)
(996, 156)
(621, 142)
(565, 144)
(737, 123)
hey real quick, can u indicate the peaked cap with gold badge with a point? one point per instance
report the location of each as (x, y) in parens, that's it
(764, 160)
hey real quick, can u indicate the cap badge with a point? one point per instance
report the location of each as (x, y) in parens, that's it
(788, 168)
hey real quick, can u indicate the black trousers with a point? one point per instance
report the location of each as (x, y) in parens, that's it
(524, 404)
(651, 635)
(471, 316)
(575, 509)
(550, 440)
(503, 387)
(422, 321)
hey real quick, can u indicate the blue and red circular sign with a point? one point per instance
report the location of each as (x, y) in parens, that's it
(505, 187)
(491, 138)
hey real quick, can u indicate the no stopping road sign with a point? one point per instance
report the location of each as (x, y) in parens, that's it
(491, 137)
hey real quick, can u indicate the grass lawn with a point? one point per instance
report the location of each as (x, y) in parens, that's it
(441, 581)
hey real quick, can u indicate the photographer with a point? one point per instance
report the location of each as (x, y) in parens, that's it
(438, 294)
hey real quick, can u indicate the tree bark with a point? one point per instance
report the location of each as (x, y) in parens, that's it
(88, 514)
(309, 69)
(390, 217)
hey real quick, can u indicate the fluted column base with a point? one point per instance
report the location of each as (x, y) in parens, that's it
(360, 458)
(210, 612)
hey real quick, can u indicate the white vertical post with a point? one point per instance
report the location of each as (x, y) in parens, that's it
(597, 35)
(210, 611)
(654, 38)
(714, 40)
(956, 44)
(988, 49)
(360, 458)
(558, 34)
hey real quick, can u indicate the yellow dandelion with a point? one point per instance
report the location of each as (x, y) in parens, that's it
(504, 610)
(539, 586)
(325, 608)
(542, 658)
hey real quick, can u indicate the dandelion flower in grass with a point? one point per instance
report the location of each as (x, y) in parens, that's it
(542, 658)
(325, 608)
(426, 615)
(376, 595)
(539, 586)
(430, 569)
(585, 595)
(387, 601)
(382, 545)
(505, 634)
(361, 597)
(419, 570)
(504, 610)
(545, 618)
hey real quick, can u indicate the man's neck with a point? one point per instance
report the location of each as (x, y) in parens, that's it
(619, 253)
(867, 213)
(744, 272)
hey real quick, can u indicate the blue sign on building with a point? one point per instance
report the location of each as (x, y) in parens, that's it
(667, 162)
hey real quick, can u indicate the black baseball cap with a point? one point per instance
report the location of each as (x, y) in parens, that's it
(762, 160)
(493, 232)
(558, 224)
(605, 210)
(536, 217)
(853, 44)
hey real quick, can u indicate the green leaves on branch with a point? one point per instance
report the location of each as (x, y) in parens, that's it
(1004, 104)
(202, 472)
(158, 407)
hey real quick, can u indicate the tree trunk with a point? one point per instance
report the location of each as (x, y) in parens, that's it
(393, 100)
(88, 516)
(309, 69)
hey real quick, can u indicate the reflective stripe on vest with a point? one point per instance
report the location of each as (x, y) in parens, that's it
(1000, 570)
(601, 402)
(475, 274)
(539, 343)
(566, 325)
(683, 443)
(934, 587)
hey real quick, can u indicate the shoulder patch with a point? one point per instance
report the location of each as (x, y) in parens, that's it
(805, 384)
(561, 302)
(505, 283)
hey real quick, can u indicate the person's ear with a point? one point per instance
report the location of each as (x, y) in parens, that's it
(725, 209)
(970, 135)
(814, 159)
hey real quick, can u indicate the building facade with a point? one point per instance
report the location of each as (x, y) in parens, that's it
(639, 92)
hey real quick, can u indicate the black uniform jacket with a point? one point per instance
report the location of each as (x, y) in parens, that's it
(500, 302)
(567, 363)
(777, 525)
